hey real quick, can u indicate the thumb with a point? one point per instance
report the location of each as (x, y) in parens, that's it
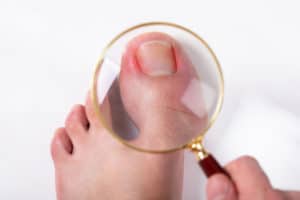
(220, 187)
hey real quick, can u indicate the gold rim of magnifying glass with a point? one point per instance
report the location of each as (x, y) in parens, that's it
(95, 97)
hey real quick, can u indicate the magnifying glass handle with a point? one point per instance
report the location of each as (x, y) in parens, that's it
(210, 166)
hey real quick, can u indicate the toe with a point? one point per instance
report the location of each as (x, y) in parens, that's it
(159, 84)
(61, 146)
(92, 116)
(77, 124)
(90, 110)
(156, 58)
(155, 65)
(155, 55)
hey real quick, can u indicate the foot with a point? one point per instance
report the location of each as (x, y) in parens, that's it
(90, 164)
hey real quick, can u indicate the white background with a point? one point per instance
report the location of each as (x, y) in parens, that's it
(48, 50)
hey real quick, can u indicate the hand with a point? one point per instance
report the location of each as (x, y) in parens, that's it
(248, 182)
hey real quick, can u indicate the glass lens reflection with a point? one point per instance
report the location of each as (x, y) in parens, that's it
(159, 112)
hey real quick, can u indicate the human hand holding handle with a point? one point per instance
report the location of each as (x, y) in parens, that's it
(210, 166)
(246, 180)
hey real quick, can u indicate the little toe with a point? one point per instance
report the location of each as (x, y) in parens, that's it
(61, 146)
(77, 124)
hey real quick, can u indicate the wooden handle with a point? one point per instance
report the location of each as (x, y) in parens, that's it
(210, 166)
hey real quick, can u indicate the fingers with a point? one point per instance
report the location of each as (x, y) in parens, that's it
(248, 182)
(220, 187)
(249, 178)
(290, 195)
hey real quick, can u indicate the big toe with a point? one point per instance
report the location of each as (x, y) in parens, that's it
(160, 87)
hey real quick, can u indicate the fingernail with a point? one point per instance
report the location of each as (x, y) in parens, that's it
(219, 189)
(156, 58)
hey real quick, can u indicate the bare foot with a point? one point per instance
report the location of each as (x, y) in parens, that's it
(90, 164)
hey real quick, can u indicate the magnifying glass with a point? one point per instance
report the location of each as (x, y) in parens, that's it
(186, 105)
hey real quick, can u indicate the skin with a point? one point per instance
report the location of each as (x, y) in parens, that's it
(162, 94)
(90, 164)
(249, 182)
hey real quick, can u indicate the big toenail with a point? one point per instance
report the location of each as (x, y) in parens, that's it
(156, 58)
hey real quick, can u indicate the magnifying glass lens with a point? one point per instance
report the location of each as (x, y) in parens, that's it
(157, 87)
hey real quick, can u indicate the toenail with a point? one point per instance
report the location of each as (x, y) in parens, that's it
(156, 58)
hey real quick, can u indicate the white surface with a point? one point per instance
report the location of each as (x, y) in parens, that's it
(47, 53)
